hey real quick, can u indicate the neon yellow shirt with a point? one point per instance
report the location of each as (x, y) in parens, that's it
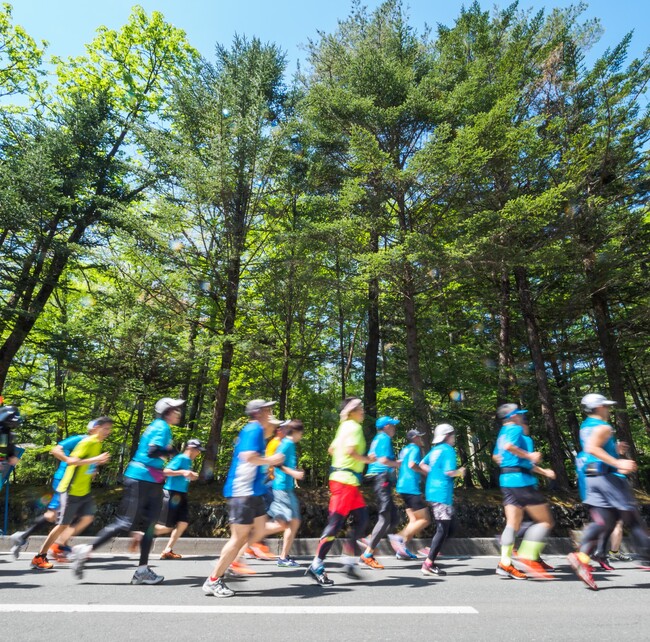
(76, 480)
(349, 435)
(271, 447)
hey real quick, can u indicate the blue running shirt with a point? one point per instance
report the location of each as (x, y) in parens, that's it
(409, 481)
(246, 479)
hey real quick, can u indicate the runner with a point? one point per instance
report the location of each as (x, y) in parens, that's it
(76, 499)
(519, 495)
(409, 482)
(245, 491)
(441, 467)
(285, 509)
(381, 473)
(260, 550)
(348, 459)
(142, 498)
(609, 495)
(174, 516)
(60, 550)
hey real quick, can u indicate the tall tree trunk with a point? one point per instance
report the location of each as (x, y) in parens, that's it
(137, 430)
(187, 382)
(32, 312)
(413, 355)
(199, 392)
(609, 351)
(372, 349)
(227, 352)
(341, 324)
(506, 381)
(567, 402)
(535, 346)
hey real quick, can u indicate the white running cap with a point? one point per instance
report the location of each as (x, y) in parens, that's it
(164, 404)
(594, 400)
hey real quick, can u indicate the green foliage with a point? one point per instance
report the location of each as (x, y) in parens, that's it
(177, 226)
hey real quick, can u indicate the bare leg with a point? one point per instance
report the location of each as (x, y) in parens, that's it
(289, 536)
(239, 534)
(176, 533)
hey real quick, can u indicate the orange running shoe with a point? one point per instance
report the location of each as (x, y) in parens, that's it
(510, 571)
(249, 553)
(534, 568)
(371, 562)
(582, 570)
(170, 555)
(59, 554)
(41, 563)
(262, 552)
(240, 569)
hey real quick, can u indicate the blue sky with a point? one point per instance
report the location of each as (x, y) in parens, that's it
(68, 24)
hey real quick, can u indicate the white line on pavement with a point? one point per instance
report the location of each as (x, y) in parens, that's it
(237, 610)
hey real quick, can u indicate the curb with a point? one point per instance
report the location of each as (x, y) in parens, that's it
(474, 547)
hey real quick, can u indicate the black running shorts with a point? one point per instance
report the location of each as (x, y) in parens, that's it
(414, 502)
(244, 510)
(174, 508)
(522, 496)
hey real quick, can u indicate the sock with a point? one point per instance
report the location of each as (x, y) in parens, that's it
(142, 568)
(368, 554)
(213, 579)
(531, 550)
(506, 555)
(317, 562)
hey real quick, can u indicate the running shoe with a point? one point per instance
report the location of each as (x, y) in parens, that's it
(603, 562)
(287, 562)
(18, 542)
(619, 556)
(79, 556)
(249, 553)
(510, 571)
(369, 560)
(217, 588)
(146, 576)
(424, 551)
(170, 555)
(534, 568)
(582, 570)
(262, 552)
(429, 568)
(351, 571)
(239, 569)
(59, 554)
(41, 563)
(319, 575)
(406, 555)
(545, 566)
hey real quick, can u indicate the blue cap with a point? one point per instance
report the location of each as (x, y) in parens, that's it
(384, 421)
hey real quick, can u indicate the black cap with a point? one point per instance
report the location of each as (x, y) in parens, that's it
(412, 434)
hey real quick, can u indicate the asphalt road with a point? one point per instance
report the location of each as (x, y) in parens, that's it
(470, 603)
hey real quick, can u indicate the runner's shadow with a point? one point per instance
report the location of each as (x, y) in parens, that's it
(411, 582)
(629, 586)
(27, 571)
(15, 585)
(301, 591)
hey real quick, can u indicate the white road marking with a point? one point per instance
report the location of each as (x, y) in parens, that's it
(238, 610)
